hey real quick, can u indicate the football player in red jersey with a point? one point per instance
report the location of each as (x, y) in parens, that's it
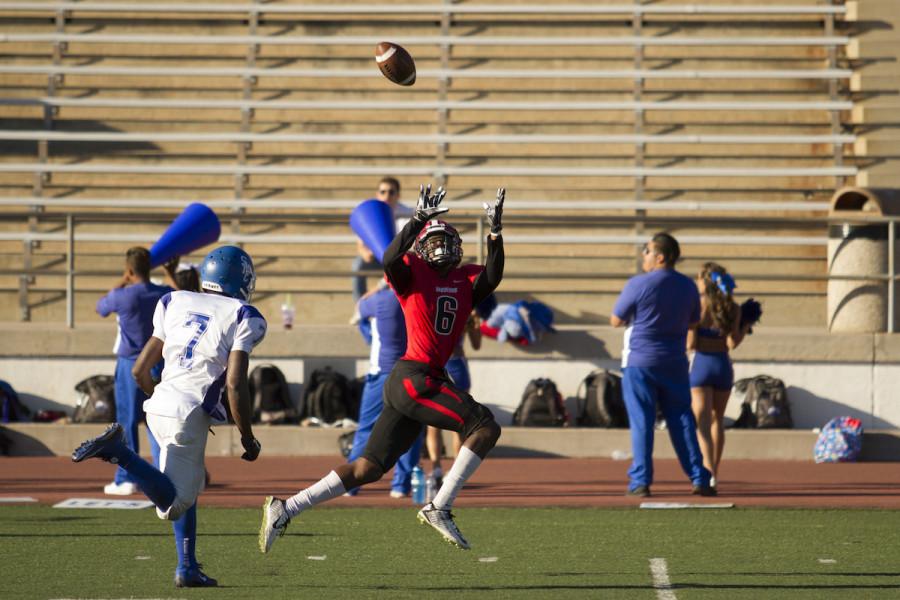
(437, 296)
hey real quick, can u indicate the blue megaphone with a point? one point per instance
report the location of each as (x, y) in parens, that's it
(373, 221)
(194, 228)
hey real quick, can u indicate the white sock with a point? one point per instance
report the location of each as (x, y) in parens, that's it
(323, 490)
(463, 467)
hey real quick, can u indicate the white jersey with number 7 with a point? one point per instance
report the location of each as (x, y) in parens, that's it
(198, 332)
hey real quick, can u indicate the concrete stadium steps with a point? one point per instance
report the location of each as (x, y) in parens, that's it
(297, 50)
(460, 84)
(427, 56)
(343, 190)
(428, 118)
(203, 150)
(209, 186)
(326, 299)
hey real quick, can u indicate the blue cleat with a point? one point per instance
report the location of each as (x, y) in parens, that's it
(100, 446)
(193, 577)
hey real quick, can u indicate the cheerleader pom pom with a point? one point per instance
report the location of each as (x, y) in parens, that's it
(751, 312)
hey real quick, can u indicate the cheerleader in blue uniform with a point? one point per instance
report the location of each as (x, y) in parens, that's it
(721, 329)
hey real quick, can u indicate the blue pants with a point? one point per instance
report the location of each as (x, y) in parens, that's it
(369, 409)
(643, 388)
(130, 411)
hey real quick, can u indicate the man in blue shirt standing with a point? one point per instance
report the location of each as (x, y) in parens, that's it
(133, 301)
(658, 308)
(388, 345)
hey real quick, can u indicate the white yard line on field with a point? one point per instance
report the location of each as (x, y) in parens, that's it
(660, 572)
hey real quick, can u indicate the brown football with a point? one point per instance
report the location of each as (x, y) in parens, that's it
(395, 63)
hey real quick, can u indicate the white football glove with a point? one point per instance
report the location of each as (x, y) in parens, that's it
(495, 212)
(428, 207)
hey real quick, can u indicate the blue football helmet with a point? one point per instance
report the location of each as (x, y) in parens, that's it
(229, 271)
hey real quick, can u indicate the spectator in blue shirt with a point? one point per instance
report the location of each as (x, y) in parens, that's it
(388, 345)
(133, 300)
(658, 308)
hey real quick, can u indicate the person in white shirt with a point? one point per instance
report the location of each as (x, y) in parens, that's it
(205, 339)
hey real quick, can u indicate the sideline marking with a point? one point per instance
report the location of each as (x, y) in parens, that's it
(488, 559)
(678, 505)
(660, 572)
(17, 499)
(827, 561)
(102, 503)
(323, 557)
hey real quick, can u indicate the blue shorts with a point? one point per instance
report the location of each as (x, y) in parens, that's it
(712, 369)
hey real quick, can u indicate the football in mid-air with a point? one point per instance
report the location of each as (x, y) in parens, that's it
(395, 63)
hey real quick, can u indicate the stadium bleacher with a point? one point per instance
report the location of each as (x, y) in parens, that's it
(605, 120)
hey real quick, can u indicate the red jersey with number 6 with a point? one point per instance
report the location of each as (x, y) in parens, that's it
(436, 309)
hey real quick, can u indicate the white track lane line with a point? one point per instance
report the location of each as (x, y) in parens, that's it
(660, 572)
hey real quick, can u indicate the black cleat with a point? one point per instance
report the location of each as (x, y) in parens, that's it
(99, 446)
(704, 490)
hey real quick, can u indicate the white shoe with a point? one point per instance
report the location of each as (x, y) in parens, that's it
(398, 494)
(126, 488)
(442, 520)
(275, 521)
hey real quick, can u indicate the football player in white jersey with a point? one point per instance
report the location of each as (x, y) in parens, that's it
(205, 339)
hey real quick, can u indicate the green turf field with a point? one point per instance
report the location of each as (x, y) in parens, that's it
(385, 553)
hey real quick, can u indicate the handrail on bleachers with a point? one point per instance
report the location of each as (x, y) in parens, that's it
(380, 138)
(429, 171)
(473, 105)
(753, 240)
(456, 40)
(690, 206)
(434, 73)
(428, 9)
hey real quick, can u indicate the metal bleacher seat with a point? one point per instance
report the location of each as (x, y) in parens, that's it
(607, 118)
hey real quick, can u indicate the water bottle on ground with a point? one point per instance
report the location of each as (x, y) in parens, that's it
(418, 485)
(430, 488)
(287, 313)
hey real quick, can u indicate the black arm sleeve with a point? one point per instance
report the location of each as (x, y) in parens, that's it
(399, 273)
(490, 278)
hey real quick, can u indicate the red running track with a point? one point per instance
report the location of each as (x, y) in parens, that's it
(499, 482)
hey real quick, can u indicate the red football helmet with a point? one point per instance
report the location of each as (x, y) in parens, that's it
(439, 244)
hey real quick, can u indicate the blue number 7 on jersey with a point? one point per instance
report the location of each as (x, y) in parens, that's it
(202, 323)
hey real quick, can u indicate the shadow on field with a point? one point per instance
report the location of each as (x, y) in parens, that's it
(791, 586)
(165, 534)
(801, 574)
(465, 588)
(785, 586)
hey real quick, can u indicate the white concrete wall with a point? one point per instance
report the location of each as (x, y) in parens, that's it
(817, 391)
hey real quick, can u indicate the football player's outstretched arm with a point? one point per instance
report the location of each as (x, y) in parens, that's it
(238, 390)
(490, 278)
(427, 208)
(149, 357)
